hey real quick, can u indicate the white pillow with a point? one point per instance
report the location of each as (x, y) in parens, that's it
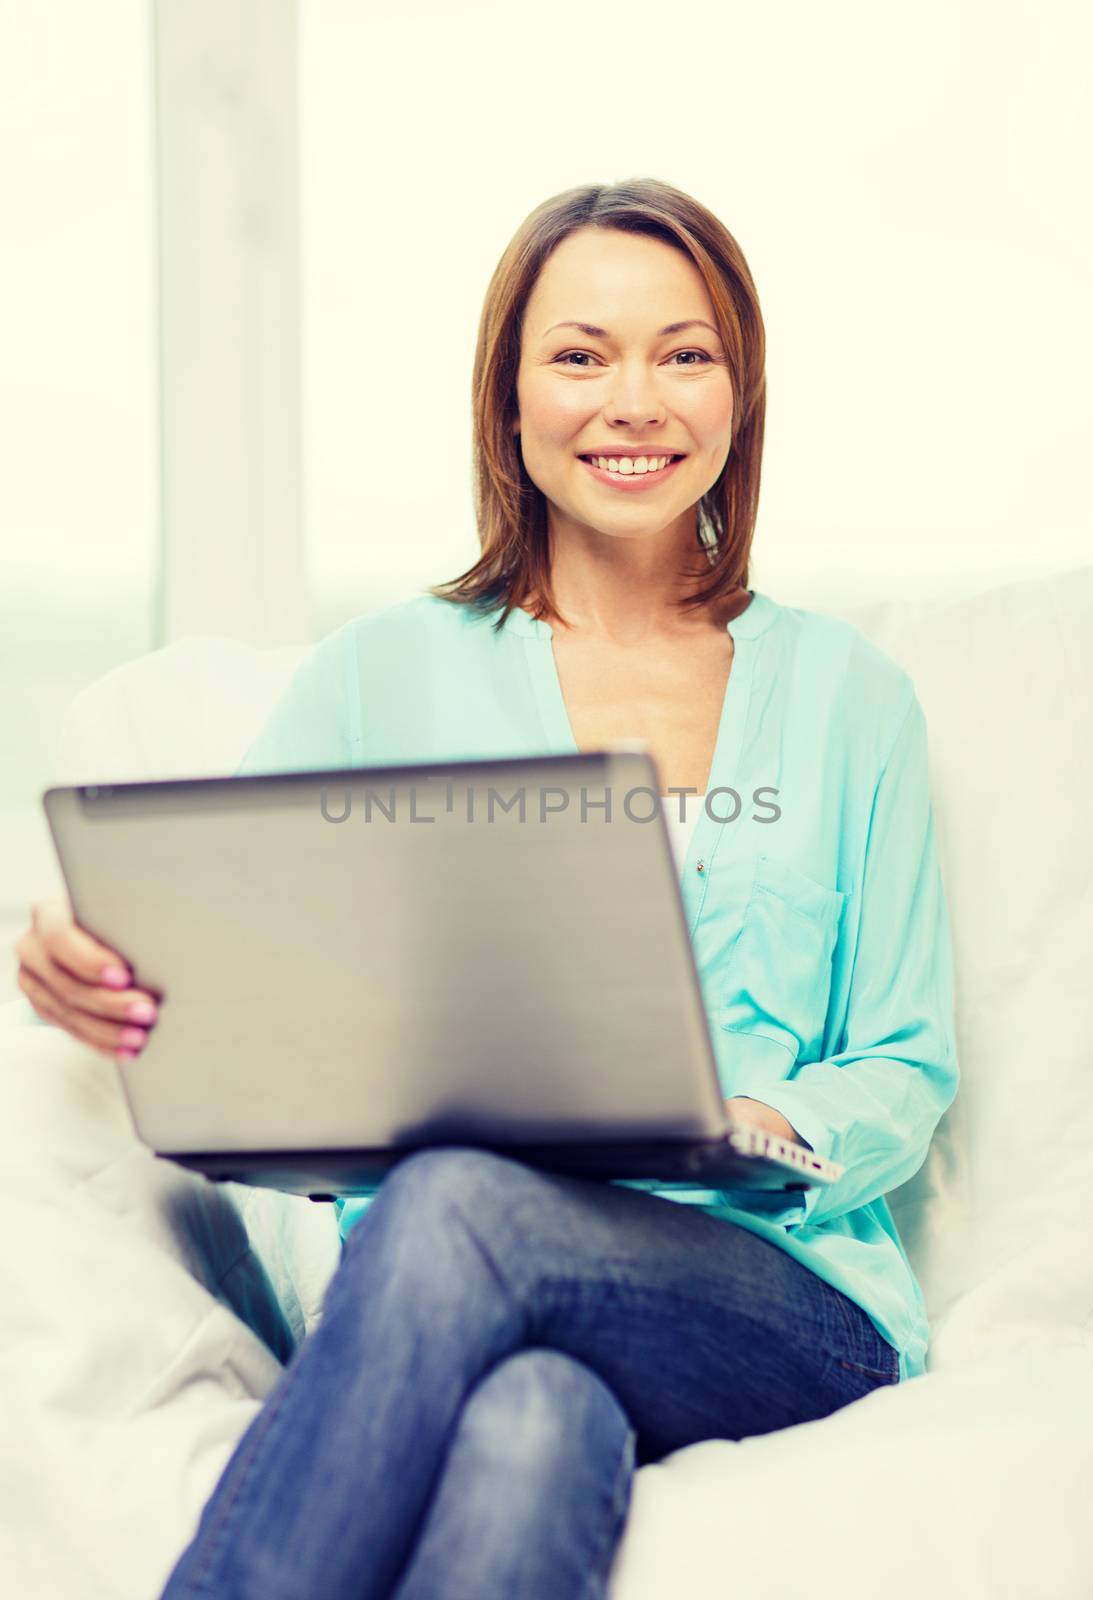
(1006, 682)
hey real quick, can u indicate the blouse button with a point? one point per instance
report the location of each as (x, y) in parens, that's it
(701, 867)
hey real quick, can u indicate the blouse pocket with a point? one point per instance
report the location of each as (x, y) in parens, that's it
(778, 971)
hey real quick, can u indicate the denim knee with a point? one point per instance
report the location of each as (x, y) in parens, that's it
(434, 1182)
(541, 1407)
(458, 1169)
(430, 1203)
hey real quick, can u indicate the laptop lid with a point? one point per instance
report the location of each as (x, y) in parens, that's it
(490, 949)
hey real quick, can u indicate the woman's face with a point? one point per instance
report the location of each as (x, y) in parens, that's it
(629, 385)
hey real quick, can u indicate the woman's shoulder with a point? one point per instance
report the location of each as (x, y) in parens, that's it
(420, 618)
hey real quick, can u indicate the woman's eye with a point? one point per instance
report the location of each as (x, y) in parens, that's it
(569, 356)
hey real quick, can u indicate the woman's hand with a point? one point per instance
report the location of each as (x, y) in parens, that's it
(81, 985)
(758, 1115)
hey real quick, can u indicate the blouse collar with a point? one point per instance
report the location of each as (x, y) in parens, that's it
(756, 619)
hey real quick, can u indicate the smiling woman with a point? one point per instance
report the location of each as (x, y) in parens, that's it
(637, 385)
(501, 1346)
(679, 412)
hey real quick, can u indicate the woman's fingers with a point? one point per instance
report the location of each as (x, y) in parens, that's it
(87, 1025)
(71, 947)
(90, 996)
(61, 972)
(105, 1037)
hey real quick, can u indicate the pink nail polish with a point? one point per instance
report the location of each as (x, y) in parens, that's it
(125, 1055)
(117, 977)
(132, 1036)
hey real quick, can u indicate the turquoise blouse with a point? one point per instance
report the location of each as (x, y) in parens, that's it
(817, 917)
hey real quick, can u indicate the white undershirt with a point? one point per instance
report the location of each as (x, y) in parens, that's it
(680, 832)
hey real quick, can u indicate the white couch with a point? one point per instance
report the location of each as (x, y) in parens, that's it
(145, 1309)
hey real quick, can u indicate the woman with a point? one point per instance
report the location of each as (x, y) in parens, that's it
(500, 1347)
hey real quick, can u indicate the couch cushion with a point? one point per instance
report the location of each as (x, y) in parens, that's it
(187, 710)
(1006, 682)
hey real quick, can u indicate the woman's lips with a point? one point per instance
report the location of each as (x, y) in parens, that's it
(631, 482)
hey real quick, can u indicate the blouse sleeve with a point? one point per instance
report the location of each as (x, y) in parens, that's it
(873, 1107)
(316, 723)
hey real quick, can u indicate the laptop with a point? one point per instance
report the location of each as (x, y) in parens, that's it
(356, 963)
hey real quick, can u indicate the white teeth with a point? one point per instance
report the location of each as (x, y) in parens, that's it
(629, 464)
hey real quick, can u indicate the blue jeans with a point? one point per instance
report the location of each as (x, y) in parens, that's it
(499, 1348)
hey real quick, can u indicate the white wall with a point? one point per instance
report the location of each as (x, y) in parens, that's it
(78, 427)
(79, 489)
(909, 184)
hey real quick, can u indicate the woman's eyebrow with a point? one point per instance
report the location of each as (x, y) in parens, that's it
(590, 329)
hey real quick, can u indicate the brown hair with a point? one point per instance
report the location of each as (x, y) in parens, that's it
(510, 510)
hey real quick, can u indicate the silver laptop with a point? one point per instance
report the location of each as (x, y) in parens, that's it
(353, 964)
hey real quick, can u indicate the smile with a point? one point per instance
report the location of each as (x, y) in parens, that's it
(631, 481)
